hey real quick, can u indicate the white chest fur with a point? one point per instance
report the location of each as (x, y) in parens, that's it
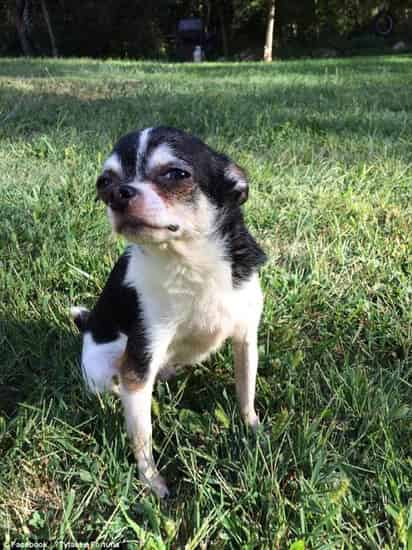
(189, 307)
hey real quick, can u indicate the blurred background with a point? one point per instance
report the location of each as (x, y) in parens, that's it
(231, 29)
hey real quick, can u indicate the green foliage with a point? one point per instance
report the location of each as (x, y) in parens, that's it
(142, 29)
(327, 148)
(244, 11)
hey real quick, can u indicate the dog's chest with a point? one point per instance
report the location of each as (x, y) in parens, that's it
(190, 314)
(198, 318)
(201, 325)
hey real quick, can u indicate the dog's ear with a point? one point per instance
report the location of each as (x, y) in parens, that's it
(236, 184)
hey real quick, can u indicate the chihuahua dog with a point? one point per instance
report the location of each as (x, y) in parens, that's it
(187, 281)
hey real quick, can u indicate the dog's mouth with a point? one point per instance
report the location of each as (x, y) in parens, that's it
(127, 225)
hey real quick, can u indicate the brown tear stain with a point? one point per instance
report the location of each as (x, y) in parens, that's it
(181, 191)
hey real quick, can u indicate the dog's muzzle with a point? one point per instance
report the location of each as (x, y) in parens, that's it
(118, 197)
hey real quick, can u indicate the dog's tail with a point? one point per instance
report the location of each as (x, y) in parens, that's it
(80, 316)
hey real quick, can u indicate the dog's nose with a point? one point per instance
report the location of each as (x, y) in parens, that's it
(120, 197)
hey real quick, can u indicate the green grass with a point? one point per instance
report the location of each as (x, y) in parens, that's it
(328, 147)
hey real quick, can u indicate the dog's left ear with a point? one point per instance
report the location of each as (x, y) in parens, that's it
(236, 184)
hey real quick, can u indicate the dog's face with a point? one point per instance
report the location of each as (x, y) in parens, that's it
(162, 184)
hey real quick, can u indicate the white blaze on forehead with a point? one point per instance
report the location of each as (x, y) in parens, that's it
(143, 141)
(163, 154)
(114, 164)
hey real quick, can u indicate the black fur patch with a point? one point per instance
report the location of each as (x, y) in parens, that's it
(118, 310)
(242, 251)
(126, 148)
(207, 165)
(137, 350)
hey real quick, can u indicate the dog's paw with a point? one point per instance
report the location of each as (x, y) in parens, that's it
(157, 484)
(252, 421)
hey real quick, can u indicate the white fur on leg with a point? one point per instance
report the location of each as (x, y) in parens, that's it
(137, 410)
(100, 363)
(246, 362)
(246, 354)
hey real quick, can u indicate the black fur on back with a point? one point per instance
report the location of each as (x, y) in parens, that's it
(117, 307)
(242, 251)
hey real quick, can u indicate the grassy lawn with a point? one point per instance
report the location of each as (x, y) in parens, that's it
(328, 147)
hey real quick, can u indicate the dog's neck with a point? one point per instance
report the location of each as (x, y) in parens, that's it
(198, 262)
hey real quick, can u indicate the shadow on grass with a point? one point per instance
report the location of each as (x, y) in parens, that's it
(39, 360)
(360, 108)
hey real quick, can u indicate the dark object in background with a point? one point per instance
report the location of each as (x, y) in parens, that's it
(383, 23)
(191, 33)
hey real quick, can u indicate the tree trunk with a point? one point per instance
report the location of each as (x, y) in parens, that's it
(267, 54)
(22, 25)
(49, 28)
(206, 15)
(223, 29)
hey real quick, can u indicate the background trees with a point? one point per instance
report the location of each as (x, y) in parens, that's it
(235, 28)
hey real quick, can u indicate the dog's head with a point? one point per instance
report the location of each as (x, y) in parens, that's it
(162, 184)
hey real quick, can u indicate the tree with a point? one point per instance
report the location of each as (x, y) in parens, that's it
(24, 13)
(49, 28)
(223, 29)
(268, 51)
(23, 25)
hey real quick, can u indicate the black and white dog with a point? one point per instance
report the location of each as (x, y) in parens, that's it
(187, 282)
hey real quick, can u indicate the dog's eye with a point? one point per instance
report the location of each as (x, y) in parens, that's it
(175, 174)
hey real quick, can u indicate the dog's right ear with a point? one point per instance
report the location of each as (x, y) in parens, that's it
(80, 316)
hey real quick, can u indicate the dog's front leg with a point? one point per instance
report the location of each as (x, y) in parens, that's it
(136, 396)
(246, 362)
